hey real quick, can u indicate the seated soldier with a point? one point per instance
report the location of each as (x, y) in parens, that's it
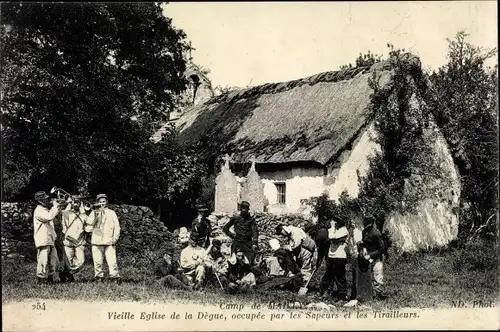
(241, 276)
(193, 262)
(286, 275)
(217, 265)
(169, 273)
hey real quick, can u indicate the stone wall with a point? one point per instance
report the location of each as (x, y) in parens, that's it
(142, 235)
(266, 224)
(17, 231)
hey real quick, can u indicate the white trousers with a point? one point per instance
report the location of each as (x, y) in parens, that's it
(197, 274)
(98, 254)
(378, 275)
(47, 262)
(76, 258)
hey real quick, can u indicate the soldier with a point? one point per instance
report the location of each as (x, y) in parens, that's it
(241, 275)
(245, 234)
(202, 228)
(372, 251)
(73, 227)
(105, 235)
(192, 262)
(45, 236)
(337, 259)
(302, 247)
(169, 273)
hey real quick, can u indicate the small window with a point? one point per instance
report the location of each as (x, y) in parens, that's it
(281, 187)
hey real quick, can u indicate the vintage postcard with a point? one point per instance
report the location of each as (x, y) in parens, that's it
(230, 166)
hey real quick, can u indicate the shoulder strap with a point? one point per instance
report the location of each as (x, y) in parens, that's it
(68, 227)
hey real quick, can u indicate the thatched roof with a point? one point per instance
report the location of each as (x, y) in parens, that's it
(310, 119)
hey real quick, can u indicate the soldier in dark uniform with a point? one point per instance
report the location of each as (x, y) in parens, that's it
(169, 275)
(202, 228)
(245, 234)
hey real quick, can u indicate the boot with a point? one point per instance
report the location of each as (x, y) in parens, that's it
(380, 296)
(98, 279)
(41, 281)
(66, 277)
(116, 280)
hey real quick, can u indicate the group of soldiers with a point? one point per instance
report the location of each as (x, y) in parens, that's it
(78, 223)
(202, 263)
(291, 265)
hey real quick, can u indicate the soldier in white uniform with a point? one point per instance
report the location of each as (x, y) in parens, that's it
(45, 236)
(105, 235)
(73, 227)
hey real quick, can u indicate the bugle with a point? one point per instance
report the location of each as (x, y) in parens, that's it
(64, 198)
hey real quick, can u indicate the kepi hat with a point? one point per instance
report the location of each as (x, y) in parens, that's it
(201, 207)
(99, 196)
(40, 195)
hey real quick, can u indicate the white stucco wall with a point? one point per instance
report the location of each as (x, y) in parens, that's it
(301, 183)
(352, 161)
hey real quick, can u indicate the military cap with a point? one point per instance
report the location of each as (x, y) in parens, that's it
(39, 195)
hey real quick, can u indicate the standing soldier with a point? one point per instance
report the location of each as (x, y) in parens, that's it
(202, 228)
(45, 236)
(372, 249)
(337, 260)
(354, 239)
(246, 234)
(73, 227)
(105, 234)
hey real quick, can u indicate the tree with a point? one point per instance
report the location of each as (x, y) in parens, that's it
(466, 109)
(83, 86)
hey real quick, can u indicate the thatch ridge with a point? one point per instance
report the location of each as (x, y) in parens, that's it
(311, 119)
(329, 76)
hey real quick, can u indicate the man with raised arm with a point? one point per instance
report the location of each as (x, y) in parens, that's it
(45, 236)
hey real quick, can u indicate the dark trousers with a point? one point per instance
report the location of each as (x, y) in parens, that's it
(354, 273)
(171, 281)
(335, 275)
(323, 248)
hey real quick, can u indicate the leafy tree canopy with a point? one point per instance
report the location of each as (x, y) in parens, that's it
(84, 84)
(465, 104)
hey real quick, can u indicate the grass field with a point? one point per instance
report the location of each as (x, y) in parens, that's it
(426, 280)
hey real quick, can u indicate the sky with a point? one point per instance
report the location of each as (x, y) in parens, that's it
(244, 43)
